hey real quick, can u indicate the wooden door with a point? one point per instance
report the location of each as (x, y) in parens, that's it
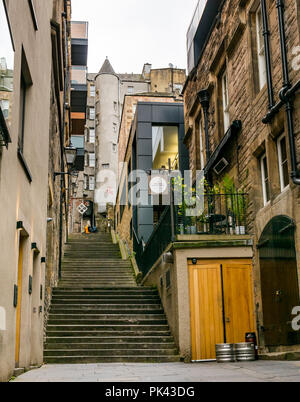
(279, 281)
(280, 294)
(18, 317)
(206, 310)
(221, 301)
(238, 300)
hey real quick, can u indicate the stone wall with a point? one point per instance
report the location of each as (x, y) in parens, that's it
(232, 45)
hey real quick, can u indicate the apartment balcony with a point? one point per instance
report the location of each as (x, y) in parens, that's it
(79, 43)
(200, 27)
(222, 222)
(77, 142)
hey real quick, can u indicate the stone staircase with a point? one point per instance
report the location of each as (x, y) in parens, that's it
(99, 314)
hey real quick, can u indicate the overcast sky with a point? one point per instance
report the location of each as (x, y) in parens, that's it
(134, 32)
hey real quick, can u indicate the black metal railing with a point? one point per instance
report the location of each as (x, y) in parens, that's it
(219, 214)
(148, 254)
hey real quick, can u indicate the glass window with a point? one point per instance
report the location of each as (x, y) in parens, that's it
(23, 90)
(262, 69)
(77, 141)
(165, 147)
(92, 137)
(225, 101)
(6, 66)
(92, 160)
(283, 162)
(78, 75)
(85, 182)
(105, 166)
(265, 179)
(92, 91)
(92, 113)
(92, 183)
(130, 90)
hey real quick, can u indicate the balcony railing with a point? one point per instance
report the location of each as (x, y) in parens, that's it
(221, 214)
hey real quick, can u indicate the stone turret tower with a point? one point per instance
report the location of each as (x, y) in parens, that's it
(107, 128)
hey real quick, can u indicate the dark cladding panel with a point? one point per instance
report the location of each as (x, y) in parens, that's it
(184, 161)
(144, 162)
(144, 112)
(144, 130)
(143, 146)
(165, 114)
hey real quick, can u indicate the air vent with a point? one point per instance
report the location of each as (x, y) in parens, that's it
(218, 169)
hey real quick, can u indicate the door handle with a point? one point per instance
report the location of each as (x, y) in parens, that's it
(227, 319)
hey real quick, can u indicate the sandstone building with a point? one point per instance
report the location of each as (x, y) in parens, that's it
(34, 131)
(242, 129)
(107, 90)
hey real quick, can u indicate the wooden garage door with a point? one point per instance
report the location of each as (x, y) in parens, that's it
(206, 310)
(221, 303)
(238, 301)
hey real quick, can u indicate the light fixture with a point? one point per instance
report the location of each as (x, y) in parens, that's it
(43, 260)
(70, 155)
(20, 225)
(49, 220)
(34, 246)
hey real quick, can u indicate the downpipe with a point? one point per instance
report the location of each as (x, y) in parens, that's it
(286, 86)
(286, 94)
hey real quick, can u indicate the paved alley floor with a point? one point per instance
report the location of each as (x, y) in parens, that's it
(261, 371)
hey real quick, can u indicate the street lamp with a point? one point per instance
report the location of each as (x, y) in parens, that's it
(70, 155)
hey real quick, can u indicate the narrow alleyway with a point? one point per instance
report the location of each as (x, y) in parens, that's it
(99, 314)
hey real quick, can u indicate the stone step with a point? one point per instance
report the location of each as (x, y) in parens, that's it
(124, 340)
(110, 346)
(109, 352)
(112, 316)
(107, 327)
(110, 359)
(99, 314)
(102, 301)
(98, 321)
(99, 292)
(104, 310)
(96, 275)
(100, 284)
(109, 296)
(110, 334)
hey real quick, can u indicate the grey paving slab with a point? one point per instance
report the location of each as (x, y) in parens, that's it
(261, 371)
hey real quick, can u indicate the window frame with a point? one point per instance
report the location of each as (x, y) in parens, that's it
(261, 53)
(33, 15)
(91, 183)
(92, 161)
(90, 114)
(92, 92)
(265, 179)
(225, 100)
(93, 136)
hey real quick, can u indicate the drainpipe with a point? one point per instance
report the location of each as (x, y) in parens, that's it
(287, 100)
(203, 97)
(266, 34)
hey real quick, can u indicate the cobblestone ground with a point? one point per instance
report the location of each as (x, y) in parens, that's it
(261, 371)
